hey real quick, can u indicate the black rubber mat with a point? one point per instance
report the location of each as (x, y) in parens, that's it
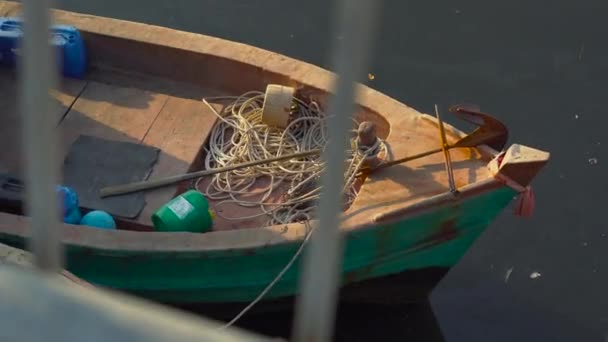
(93, 163)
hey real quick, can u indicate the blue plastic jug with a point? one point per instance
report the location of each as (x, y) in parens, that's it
(67, 41)
(69, 205)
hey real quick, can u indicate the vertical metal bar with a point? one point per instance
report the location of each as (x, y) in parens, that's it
(37, 71)
(316, 306)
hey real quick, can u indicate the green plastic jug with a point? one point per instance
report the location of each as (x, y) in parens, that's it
(188, 212)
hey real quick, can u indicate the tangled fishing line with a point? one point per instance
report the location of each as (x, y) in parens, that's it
(240, 136)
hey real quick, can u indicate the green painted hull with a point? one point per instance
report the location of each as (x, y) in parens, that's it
(435, 239)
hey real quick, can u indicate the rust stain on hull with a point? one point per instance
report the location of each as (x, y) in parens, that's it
(447, 231)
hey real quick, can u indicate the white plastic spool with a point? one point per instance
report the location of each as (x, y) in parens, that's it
(277, 105)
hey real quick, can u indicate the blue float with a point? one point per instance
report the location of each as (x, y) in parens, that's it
(99, 219)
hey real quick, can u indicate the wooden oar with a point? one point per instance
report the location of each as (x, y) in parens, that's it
(157, 183)
(490, 131)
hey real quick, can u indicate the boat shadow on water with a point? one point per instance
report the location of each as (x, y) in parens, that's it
(355, 322)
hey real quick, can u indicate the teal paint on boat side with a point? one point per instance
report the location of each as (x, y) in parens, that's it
(437, 238)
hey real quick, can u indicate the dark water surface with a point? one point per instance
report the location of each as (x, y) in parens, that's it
(539, 66)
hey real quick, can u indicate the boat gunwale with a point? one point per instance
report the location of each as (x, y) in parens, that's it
(132, 242)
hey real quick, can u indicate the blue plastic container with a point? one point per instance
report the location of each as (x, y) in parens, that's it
(71, 52)
(69, 205)
(67, 199)
(73, 217)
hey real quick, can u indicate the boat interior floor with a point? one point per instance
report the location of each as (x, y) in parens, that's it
(171, 117)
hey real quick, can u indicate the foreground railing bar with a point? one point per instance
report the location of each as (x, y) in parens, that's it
(45, 307)
(315, 311)
(38, 75)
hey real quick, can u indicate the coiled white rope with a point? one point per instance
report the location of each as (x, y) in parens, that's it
(240, 136)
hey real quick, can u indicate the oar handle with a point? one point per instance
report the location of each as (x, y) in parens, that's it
(142, 185)
(157, 183)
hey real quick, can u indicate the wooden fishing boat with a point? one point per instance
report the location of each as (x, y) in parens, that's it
(406, 227)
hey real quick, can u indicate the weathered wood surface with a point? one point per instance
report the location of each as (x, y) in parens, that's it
(8, 8)
(40, 307)
(180, 130)
(11, 159)
(111, 112)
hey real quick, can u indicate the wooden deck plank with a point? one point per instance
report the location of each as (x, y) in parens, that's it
(8, 8)
(180, 131)
(110, 112)
(10, 120)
